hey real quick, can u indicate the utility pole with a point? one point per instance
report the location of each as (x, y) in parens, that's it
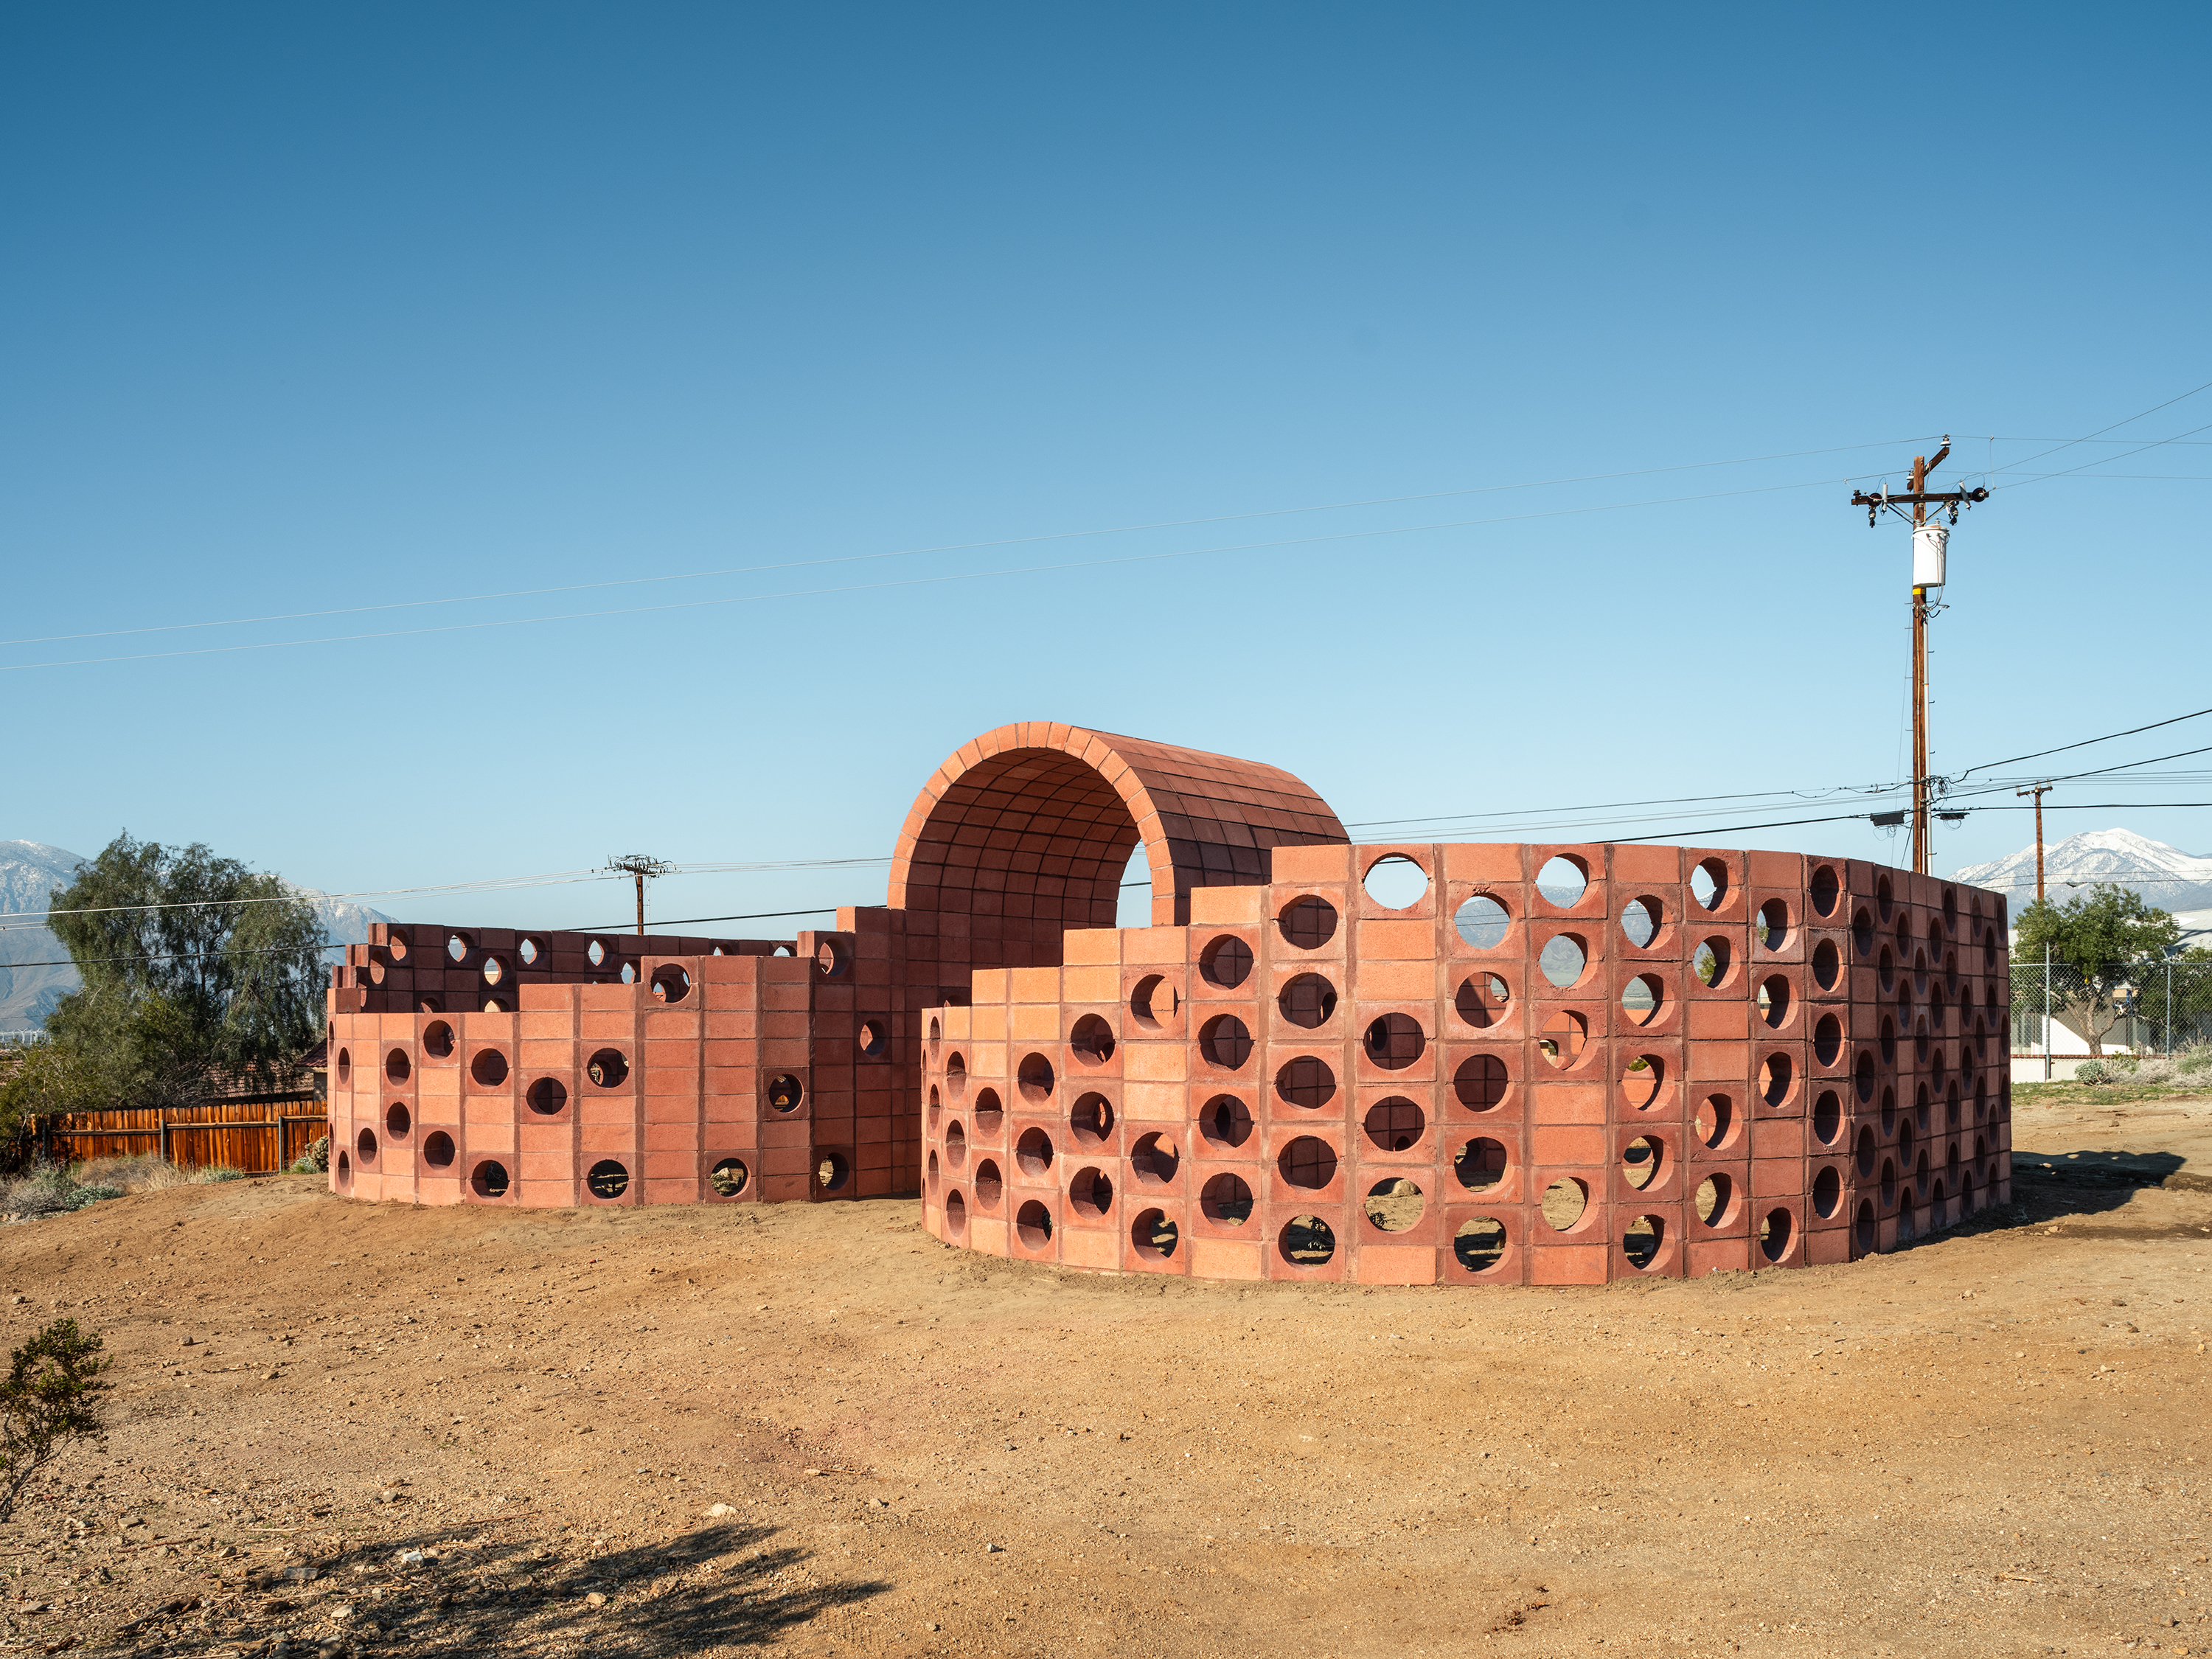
(1929, 542)
(2039, 792)
(642, 867)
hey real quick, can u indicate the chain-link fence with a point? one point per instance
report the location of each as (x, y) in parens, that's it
(2156, 1007)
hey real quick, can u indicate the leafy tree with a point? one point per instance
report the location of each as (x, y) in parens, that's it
(2183, 1024)
(51, 1397)
(2102, 939)
(192, 965)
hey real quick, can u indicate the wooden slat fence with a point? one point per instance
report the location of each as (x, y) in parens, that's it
(257, 1135)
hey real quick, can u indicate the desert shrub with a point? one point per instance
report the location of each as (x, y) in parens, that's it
(316, 1159)
(93, 1194)
(218, 1173)
(2093, 1071)
(50, 1398)
(43, 1189)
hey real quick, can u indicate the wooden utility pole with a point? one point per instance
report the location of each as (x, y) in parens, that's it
(2039, 792)
(642, 867)
(1928, 555)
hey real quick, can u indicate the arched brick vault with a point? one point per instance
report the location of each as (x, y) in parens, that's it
(1036, 821)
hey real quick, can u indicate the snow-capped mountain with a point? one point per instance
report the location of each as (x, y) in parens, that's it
(2165, 875)
(35, 974)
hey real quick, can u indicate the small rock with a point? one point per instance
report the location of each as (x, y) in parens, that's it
(993, 1549)
(721, 1509)
(410, 1558)
(595, 1599)
(813, 1471)
(342, 1611)
(302, 1575)
(937, 1627)
(188, 1342)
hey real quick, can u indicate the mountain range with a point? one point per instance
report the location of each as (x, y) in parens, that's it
(2166, 876)
(35, 968)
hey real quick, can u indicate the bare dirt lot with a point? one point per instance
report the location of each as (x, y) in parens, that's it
(342, 1428)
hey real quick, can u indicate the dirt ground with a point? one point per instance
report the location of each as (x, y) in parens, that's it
(344, 1428)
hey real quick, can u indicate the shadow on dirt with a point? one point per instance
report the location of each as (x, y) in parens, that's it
(721, 1586)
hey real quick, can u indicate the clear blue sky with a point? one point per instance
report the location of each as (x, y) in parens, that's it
(314, 309)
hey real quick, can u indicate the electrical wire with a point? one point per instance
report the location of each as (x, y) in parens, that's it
(2117, 425)
(2086, 742)
(2042, 477)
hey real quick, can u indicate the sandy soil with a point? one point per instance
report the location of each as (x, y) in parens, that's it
(1993, 1442)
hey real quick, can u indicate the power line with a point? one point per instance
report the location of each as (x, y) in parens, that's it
(2086, 742)
(2117, 425)
(2086, 465)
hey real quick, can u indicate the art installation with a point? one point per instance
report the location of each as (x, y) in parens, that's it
(1463, 1064)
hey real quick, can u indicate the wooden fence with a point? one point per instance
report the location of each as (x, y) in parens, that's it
(259, 1135)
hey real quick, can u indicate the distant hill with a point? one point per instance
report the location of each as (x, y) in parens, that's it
(2165, 875)
(29, 873)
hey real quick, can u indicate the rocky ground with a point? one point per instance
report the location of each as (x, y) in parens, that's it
(348, 1429)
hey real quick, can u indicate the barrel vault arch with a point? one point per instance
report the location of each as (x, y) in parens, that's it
(1036, 820)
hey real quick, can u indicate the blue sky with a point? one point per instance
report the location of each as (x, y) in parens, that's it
(319, 310)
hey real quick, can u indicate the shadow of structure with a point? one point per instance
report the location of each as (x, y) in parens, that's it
(2049, 1187)
(722, 1586)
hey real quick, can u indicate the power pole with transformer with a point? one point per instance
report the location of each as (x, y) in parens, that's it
(642, 868)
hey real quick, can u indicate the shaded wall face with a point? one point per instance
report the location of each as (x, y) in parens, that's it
(1701, 1060)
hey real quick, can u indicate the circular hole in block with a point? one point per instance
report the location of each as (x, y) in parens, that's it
(606, 1179)
(1307, 1000)
(1091, 1121)
(1033, 1225)
(1225, 1041)
(1774, 1234)
(438, 1040)
(1828, 1118)
(1091, 1193)
(1709, 883)
(989, 1183)
(1226, 1200)
(1712, 962)
(1035, 1079)
(1824, 890)
(1393, 1041)
(343, 1169)
(784, 1092)
(956, 1075)
(494, 970)
(1227, 962)
(1643, 999)
(630, 972)
(1885, 968)
(438, 1150)
(1563, 959)
(1394, 1204)
(345, 1066)
(1154, 1002)
(396, 941)
(1565, 1035)
(1863, 1229)
(671, 983)
(1640, 1241)
(1395, 1124)
(831, 959)
(1774, 999)
(1866, 1151)
(873, 1039)
(1154, 1159)
(1153, 1236)
(529, 950)
(1482, 999)
(1092, 1041)
(1479, 1244)
(1480, 1083)
(936, 1033)
(1777, 1078)
(991, 1112)
(1640, 1079)
(1482, 922)
(1033, 1151)
(1640, 1160)
(1827, 1040)
(1481, 1164)
(1882, 898)
(956, 1145)
(610, 1069)
(493, 1005)
(1827, 964)
(1827, 1191)
(1715, 1123)
(1307, 1161)
(931, 1169)
(364, 1146)
(956, 1214)
(1307, 1241)
(1395, 881)
(1563, 880)
(397, 1119)
(1861, 932)
(1566, 1201)
(457, 946)
(728, 1178)
(488, 1179)
(1715, 1193)
(1225, 1122)
(487, 1069)
(1306, 1081)
(1863, 1076)
(1773, 928)
(596, 953)
(1307, 923)
(833, 1172)
(1640, 920)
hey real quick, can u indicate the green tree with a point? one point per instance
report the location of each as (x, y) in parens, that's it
(2099, 941)
(51, 1397)
(192, 965)
(2182, 1024)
